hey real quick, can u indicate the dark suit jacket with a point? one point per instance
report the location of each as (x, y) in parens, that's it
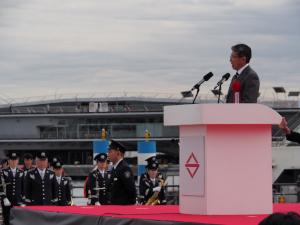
(293, 136)
(97, 181)
(122, 186)
(249, 87)
(40, 191)
(63, 192)
(14, 188)
(146, 188)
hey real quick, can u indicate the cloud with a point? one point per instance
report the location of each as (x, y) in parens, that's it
(141, 45)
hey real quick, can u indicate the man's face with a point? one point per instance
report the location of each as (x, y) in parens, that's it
(13, 163)
(236, 61)
(152, 173)
(42, 163)
(102, 165)
(28, 163)
(113, 155)
(58, 172)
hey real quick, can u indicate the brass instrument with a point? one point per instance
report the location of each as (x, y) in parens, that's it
(154, 199)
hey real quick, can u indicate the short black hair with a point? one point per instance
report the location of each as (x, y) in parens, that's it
(242, 50)
(290, 218)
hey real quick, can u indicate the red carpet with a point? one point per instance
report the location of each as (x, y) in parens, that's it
(163, 213)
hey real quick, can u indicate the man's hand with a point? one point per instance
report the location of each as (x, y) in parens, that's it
(97, 203)
(6, 202)
(157, 189)
(284, 126)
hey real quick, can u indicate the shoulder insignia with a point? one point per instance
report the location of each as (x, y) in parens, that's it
(5, 173)
(147, 183)
(21, 174)
(51, 176)
(127, 174)
(32, 176)
(65, 182)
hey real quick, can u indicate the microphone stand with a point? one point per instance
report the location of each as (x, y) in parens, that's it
(219, 94)
(198, 89)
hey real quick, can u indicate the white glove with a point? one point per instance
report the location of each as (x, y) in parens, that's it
(97, 203)
(6, 202)
(22, 205)
(157, 189)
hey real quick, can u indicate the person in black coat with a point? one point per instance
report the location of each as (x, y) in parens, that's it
(12, 194)
(99, 181)
(64, 187)
(40, 184)
(122, 184)
(245, 75)
(152, 184)
(290, 135)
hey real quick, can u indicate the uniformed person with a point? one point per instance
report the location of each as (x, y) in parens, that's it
(99, 181)
(54, 160)
(13, 186)
(64, 187)
(40, 186)
(152, 184)
(4, 163)
(28, 162)
(122, 186)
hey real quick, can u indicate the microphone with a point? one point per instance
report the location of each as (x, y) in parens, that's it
(205, 78)
(225, 77)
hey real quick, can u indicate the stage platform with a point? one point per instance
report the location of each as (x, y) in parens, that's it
(129, 215)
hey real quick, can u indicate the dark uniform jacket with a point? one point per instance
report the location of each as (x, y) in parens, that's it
(96, 180)
(26, 170)
(64, 192)
(249, 87)
(293, 136)
(122, 186)
(14, 186)
(40, 191)
(146, 188)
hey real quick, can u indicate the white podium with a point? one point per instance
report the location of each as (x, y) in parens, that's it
(225, 157)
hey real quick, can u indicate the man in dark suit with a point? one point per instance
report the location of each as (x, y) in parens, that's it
(290, 135)
(40, 186)
(245, 75)
(152, 184)
(13, 186)
(122, 186)
(64, 192)
(99, 181)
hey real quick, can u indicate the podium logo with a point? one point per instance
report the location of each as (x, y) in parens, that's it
(192, 165)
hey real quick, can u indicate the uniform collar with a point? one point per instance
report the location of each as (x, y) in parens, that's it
(13, 170)
(115, 166)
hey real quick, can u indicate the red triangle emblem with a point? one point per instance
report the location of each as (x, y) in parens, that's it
(192, 165)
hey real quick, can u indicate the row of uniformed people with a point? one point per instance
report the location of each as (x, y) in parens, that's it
(116, 185)
(32, 186)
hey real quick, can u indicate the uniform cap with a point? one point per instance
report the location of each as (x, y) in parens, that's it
(117, 146)
(57, 165)
(101, 157)
(28, 156)
(12, 155)
(152, 163)
(42, 155)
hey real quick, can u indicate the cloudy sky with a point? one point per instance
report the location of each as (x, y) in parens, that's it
(71, 46)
